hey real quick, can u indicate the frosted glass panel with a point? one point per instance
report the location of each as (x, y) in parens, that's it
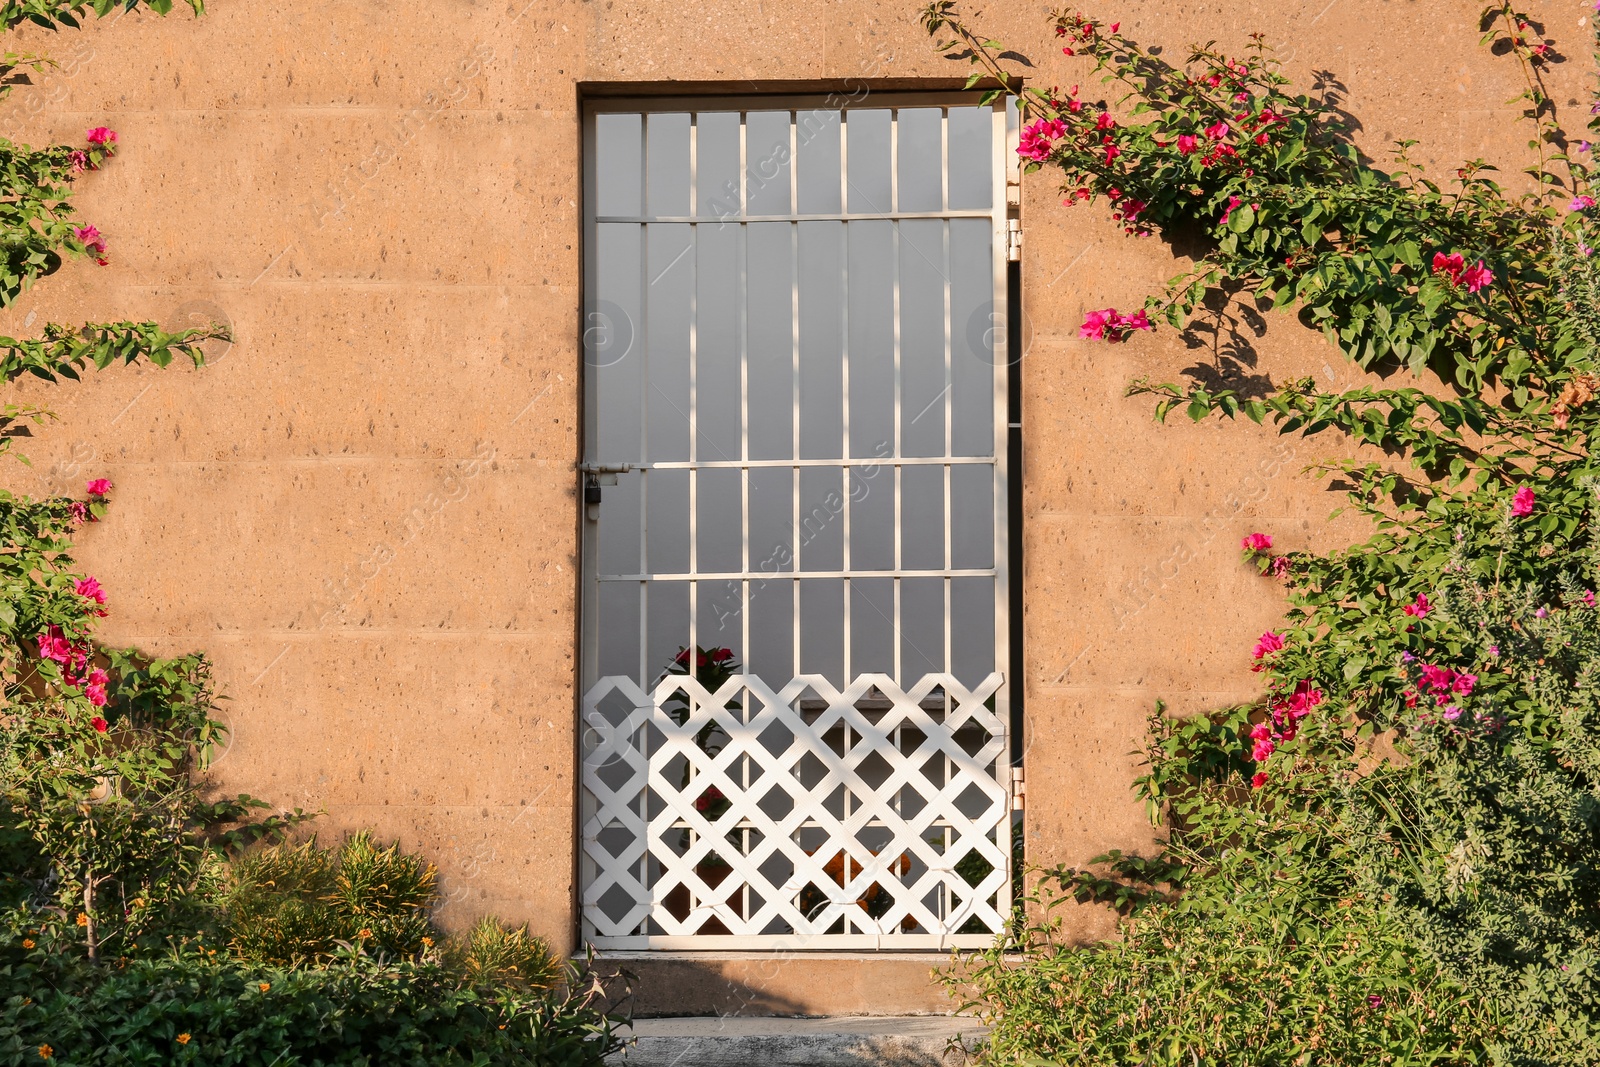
(971, 157)
(822, 281)
(769, 159)
(666, 164)
(922, 338)
(618, 166)
(921, 170)
(818, 139)
(867, 137)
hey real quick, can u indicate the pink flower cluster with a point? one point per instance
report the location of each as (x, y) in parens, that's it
(90, 589)
(1038, 140)
(1109, 325)
(1256, 542)
(1419, 608)
(1266, 645)
(97, 490)
(102, 141)
(54, 646)
(1522, 503)
(1454, 266)
(1282, 724)
(1079, 30)
(1581, 202)
(94, 242)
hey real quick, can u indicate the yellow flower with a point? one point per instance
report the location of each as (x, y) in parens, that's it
(83, 920)
(265, 986)
(27, 942)
(45, 1052)
(427, 942)
(183, 1039)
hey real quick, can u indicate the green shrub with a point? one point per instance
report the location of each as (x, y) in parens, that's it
(493, 952)
(293, 903)
(198, 1006)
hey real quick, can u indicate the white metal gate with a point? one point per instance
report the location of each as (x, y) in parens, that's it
(795, 584)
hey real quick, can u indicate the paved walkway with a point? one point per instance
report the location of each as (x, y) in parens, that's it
(840, 1041)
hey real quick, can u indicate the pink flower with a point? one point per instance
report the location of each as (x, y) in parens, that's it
(1112, 152)
(1478, 277)
(1262, 750)
(1268, 643)
(1217, 132)
(96, 694)
(101, 137)
(90, 589)
(1037, 140)
(99, 487)
(80, 512)
(1188, 143)
(1096, 322)
(1137, 321)
(93, 242)
(1452, 265)
(1375, 1001)
(1256, 542)
(1581, 203)
(1587, 598)
(1452, 713)
(1420, 608)
(53, 646)
(79, 160)
(1109, 325)
(1104, 121)
(1464, 683)
(1233, 202)
(1522, 502)
(99, 724)
(1280, 566)
(1258, 780)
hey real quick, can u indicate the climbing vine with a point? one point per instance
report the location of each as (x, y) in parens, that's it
(1391, 855)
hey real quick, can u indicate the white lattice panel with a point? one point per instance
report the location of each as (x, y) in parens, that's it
(806, 816)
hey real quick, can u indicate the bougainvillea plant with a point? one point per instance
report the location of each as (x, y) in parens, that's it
(1422, 768)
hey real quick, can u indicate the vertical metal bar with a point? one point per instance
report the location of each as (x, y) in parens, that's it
(894, 206)
(794, 323)
(744, 382)
(949, 397)
(694, 399)
(644, 397)
(844, 377)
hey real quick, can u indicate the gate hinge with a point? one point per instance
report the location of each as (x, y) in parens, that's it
(1019, 789)
(1014, 240)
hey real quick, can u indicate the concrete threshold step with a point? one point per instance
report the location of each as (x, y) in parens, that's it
(835, 1041)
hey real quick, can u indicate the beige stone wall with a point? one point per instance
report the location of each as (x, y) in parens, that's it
(364, 511)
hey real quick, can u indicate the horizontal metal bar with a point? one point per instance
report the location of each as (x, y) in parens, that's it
(792, 942)
(876, 216)
(701, 576)
(747, 464)
(852, 94)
